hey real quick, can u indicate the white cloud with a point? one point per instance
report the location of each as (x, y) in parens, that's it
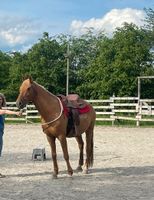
(108, 23)
(16, 31)
(20, 33)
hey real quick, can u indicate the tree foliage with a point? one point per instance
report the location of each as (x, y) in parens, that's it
(120, 61)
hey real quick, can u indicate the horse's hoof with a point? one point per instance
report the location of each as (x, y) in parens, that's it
(54, 176)
(79, 169)
(85, 171)
(70, 173)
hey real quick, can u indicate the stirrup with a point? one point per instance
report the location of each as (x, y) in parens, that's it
(2, 176)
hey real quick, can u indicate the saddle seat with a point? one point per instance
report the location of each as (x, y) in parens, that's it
(73, 101)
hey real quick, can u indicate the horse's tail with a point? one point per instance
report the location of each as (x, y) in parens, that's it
(90, 146)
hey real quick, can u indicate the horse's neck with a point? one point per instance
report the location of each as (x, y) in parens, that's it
(46, 103)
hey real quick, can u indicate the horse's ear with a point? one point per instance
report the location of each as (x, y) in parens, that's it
(27, 76)
(23, 78)
(30, 79)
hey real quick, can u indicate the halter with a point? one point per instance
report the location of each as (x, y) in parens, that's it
(61, 112)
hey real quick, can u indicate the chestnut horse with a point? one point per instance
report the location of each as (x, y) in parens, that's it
(54, 123)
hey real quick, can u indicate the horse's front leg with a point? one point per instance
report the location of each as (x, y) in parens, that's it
(63, 142)
(80, 145)
(52, 143)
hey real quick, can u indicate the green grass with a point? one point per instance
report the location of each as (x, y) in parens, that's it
(124, 123)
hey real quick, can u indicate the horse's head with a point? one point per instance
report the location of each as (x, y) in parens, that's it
(26, 93)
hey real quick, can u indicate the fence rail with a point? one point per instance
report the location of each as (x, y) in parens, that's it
(112, 109)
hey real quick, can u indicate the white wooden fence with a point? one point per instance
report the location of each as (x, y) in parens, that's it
(115, 108)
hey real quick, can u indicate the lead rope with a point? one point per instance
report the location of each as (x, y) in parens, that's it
(61, 112)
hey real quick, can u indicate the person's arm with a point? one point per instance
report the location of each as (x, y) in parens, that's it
(9, 112)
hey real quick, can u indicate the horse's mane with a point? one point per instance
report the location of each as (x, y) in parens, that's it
(44, 89)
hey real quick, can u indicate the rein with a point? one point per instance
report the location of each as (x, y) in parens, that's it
(60, 114)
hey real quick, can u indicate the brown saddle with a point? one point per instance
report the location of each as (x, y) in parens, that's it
(73, 102)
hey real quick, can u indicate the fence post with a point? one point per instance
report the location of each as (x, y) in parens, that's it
(112, 108)
(26, 114)
(139, 112)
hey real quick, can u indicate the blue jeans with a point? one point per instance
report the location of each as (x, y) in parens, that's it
(1, 140)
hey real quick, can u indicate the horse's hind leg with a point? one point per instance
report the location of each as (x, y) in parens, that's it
(81, 145)
(63, 142)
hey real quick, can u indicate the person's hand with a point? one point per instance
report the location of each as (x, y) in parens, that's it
(19, 113)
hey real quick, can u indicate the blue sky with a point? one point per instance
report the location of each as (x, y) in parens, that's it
(22, 22)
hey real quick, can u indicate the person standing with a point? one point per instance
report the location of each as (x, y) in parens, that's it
(4, 111)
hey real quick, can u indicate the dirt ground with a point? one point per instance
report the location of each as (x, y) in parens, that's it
(123, 167)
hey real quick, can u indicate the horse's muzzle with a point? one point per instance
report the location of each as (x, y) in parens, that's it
(20, 104)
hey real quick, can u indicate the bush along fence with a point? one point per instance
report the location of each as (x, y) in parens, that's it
(112, 110)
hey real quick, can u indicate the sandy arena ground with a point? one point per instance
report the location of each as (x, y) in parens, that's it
(123, 167)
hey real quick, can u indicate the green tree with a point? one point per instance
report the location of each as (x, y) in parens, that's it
(119, 62)
(83, 51)
(47, 64)
(18, 68)
(5, 63)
